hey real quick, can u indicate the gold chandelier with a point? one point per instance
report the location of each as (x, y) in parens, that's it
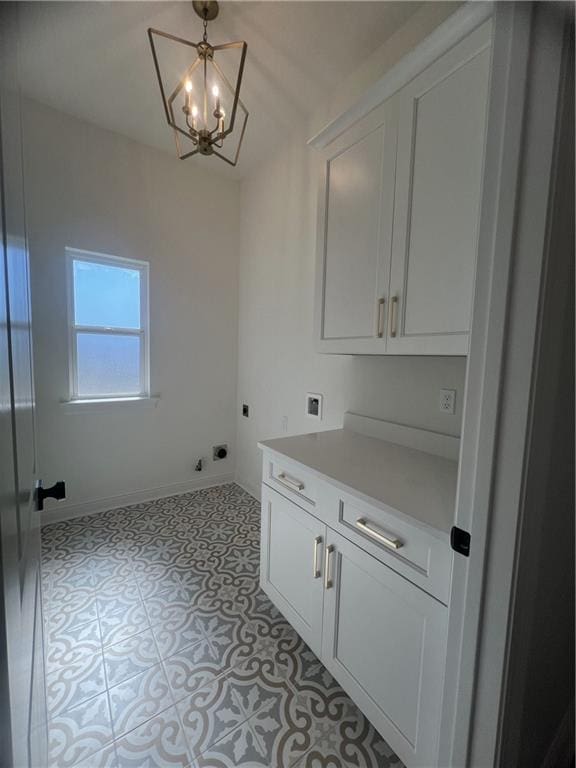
(201, 104)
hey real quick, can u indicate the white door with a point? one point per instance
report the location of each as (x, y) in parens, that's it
(384, 640)
(356, 203)
(291, 564)
(23, 732)
(441, 136)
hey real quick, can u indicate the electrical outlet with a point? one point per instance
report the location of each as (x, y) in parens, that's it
(219, 452)
(447, 400)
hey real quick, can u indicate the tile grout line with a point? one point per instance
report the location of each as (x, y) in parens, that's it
(160, 664)
(90, 698)
(106, 683)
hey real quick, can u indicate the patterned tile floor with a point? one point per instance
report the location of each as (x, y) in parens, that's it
(161, 649)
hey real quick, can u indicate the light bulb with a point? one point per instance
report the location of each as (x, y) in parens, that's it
(188, 85)
(215, 91)
(194, 111)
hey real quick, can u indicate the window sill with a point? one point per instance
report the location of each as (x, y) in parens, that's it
(109, 404)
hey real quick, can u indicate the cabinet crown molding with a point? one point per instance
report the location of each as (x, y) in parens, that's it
(447, 34)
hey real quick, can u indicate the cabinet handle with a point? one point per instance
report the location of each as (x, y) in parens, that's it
(317, 542)
(290, 482)
(378, 534)
(328, 583)
(393, 315)
(380, 326)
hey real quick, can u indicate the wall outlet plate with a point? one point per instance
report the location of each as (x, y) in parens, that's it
(314, 405)
(447, 401)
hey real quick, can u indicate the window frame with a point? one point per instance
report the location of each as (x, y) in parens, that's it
(92, 257)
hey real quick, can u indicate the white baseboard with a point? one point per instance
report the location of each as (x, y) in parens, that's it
(65, 511)
(249, 488)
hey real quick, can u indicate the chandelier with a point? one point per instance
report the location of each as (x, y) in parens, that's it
(201, 104)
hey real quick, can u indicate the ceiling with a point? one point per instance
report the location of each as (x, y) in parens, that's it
(92, 60)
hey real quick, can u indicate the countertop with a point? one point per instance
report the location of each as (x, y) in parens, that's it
(413, 483)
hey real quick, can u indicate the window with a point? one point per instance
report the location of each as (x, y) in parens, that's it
(108, 316)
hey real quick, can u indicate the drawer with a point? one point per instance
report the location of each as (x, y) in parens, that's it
(422, 557)
(290, 480)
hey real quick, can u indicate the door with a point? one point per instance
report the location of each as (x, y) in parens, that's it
(384, 640)
(505, 492)
(441, 137)
(291, 564)
(23, 723)
(355, 236)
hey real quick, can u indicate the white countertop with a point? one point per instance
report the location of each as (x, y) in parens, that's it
(419, 485)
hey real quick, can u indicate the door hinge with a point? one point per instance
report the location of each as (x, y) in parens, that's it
(460, 541)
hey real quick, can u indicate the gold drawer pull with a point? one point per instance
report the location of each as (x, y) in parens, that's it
(328, 583)
(317, 542)
(290, 482)
(378, 534)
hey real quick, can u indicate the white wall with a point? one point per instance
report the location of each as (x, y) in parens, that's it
(96, 190)
(277, 364)
(213, 301)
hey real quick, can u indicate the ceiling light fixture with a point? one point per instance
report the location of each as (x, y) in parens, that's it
(201, 105)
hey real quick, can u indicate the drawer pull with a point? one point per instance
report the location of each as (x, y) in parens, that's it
(393, 313)
(317, 542)
(380, 322)
(290, 482)
(377, 534)
(328, 583)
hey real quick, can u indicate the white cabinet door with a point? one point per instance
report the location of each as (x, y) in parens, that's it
(441, 132)
(384, 640)
(355, 236)
(291, 552)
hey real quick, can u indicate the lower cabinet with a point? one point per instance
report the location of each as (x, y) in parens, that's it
(290, 564)
(383, 638)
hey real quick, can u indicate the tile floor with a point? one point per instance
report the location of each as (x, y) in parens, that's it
(161, 649)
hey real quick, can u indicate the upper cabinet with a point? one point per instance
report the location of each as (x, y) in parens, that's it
(399, 208)
(356, 227)
(439, 163)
